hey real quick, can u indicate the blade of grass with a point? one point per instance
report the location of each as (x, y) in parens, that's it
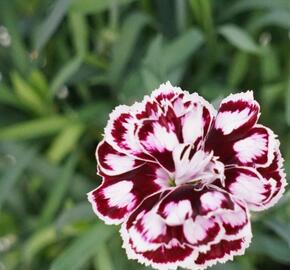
(57, 193)
(50, 24)
(13, 174)
(83, 248)
(239, 38)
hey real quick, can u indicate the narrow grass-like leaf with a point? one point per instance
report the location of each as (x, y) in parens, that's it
(83, 248)
(79, 32)
(186, 45)
(27, 95)
(94, 6)
(287, 102)
(124, 46)
(58, 191)
(80, 212)
(65, 142)
(238, 68)
(279, 18)
(34, 128)
(281, 229)
(103, 259)
(13, 174)
(50, 24)
(271, 246)
(37, 242)
(65, 73)
(239, 38)
(246, 5)
(18, 51)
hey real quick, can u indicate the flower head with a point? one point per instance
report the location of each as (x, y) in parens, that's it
(182, 177)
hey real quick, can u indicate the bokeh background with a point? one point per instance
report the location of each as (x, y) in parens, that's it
(64, 64)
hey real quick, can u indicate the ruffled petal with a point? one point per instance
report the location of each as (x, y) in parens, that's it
(121, 128)
(112, 162)
(148, 239)
(197, 121)
(256, 148)
(275, 175)
(237, 114)
(236, 239)
(222, 252)
(119, 195)
(159, 137)
(248, 184)
(171, 228)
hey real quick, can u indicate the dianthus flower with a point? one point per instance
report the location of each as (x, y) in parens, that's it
(182, 177)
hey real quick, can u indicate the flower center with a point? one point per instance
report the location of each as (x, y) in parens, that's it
(195, 167)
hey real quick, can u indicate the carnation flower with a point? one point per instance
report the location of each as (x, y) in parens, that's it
(182, 177)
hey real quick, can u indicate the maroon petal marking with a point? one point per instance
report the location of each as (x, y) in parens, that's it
(119, 195)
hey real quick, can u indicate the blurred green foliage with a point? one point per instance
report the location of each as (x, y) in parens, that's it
(65, 63)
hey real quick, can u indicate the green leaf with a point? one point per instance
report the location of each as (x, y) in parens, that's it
(65, 73)
(281, 229)
(27, 95)
(58, 191)
(271, 246)
(50, 24)
(122, 52)
(246, 5)
(8, 97)
(79, 32)
(34, 128)
(13, 174)
(287, 100)
(239, 38)
(94, 6)
(238, 68)
(65, 142)
(83, 248)
(181, 49)
(278, 18)
(37, 242)
(103, 259)
(79, 212)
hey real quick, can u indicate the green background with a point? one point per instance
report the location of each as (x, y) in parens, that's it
(66, 63)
